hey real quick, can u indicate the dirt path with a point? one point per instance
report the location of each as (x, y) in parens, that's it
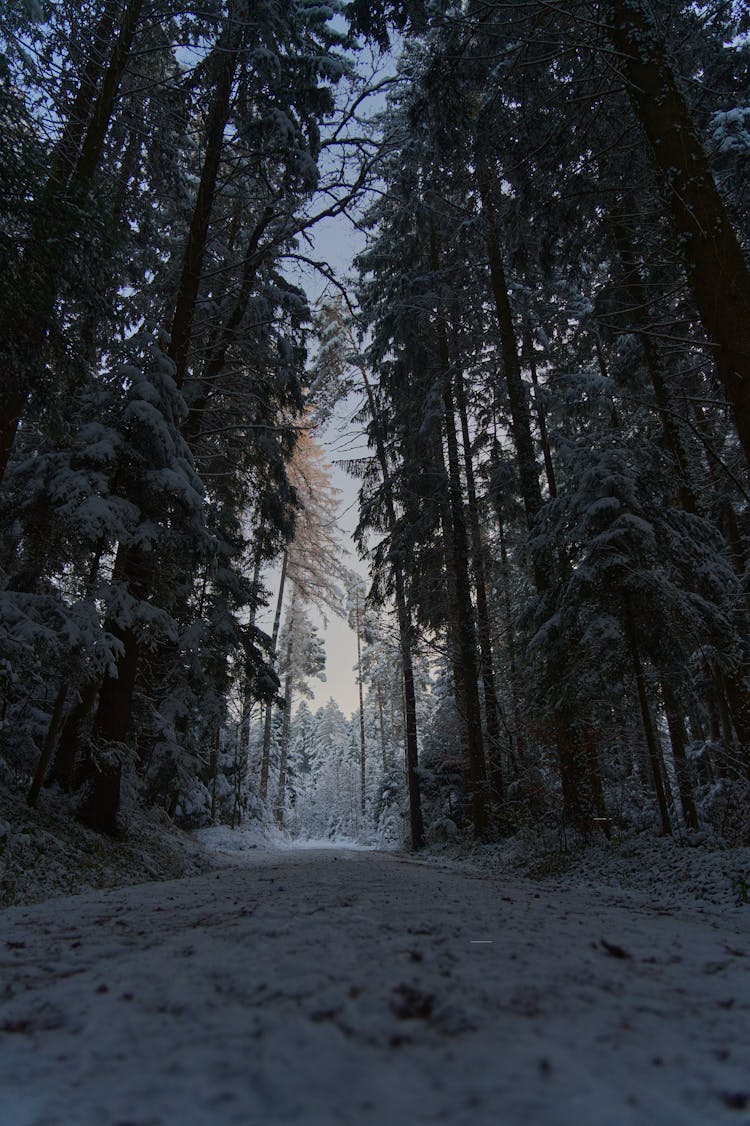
(353, 987)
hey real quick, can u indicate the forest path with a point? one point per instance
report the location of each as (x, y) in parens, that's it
(353, 987)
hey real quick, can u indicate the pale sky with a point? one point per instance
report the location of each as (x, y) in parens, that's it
(337, 242)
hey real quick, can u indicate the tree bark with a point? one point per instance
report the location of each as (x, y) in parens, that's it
(50, 742)
(541, 418)
(93, 140)
(22, 353)
(464, 611)
(678, 740)
(416, 824)
(484, 630)
(638, 309)
(528, 470)
(654, 752)
(64, 765)
(101, 776)
(284, 750)
(217, 352)
(362, 744)
(226, 54)
(467, 641)
(382, 727)
(66, 151)
(718, 274)
(265, 759)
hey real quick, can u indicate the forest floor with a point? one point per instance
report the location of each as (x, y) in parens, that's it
(335, 986)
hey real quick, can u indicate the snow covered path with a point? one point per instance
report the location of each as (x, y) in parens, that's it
(352, 987)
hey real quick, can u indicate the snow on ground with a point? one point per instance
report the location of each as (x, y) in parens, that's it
(231, 845)
(348, 987)
(45, 852)
(665, 870)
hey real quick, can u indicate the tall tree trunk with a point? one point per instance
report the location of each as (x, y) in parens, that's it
(593, 766)
(69, 743)
(466, 630)
(225, 62)
(244, 729)
(484, 630)
(405, 629)
(102, 772)
(284, 749)
(93, 140)
(265, 759)
(66, 151)
(678, 740)
(738, 701)
(362, 745)
(528, 470)
(379, 691)
(654, 752)
(226, 334)
(718, 274)
(21, 354)
(464, 610)
(541, 418)
(213, 768)
(510, 644)
(50, 742)
(115, 700)
(638, 310)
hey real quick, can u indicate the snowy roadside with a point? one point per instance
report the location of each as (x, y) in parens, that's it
(661, 870)
(45, 853)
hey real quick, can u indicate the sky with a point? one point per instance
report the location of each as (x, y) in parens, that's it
(336, 242)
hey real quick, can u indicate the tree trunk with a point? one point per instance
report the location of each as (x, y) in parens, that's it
(93, 141)
(64, 765)
(66, 151)
(217, 353)
(464, 616)
(595, 780)
(218, 114)
(21, 357)
(284, 750)
(528, 470)
(677, 738)
(265, 759)
(654, 752)
(510, 643)
(213, 768)
(717, 272)
(638, 309)
(362, 746)
(541, 418)
(416, 824)
(50, 741)
(464, 610)
(382, 727)
(484, 631)
(738, 701)
(100, 804)
(102, 772)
